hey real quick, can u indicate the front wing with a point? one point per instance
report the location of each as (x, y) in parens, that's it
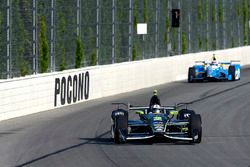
(178, 135)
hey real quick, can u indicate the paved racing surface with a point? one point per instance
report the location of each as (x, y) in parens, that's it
(79, 135)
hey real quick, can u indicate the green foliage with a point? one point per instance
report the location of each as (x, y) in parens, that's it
(62, 60)
(24, 70)
(206, 7)
(238, 10)
(214, 46)
(145, 17)
(43, 46)
(244, 20)
(200, 43)
(21, 39)
(135, 15)
(248, 11)
(60, 46)
(79, 53)
(212, 13)
(1, 19)
(232, 44)
(200, 15)
(220, 12)
(183, 43)
(207, 44)
(93, 58)
(134, 53)
(22, 64)
(167, 25)
(173, 44)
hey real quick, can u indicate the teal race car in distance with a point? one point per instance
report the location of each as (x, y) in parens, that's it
(214, 71)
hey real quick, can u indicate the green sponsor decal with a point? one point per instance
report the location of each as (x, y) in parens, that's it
(157, 119)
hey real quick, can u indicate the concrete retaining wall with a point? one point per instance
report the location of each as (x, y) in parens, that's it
(32, 94)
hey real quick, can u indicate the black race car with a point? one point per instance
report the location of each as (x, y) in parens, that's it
(164, 122)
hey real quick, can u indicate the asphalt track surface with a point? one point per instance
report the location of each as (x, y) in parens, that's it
(78, 135)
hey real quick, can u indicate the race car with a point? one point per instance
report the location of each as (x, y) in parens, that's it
(214, 71)
(162, 122)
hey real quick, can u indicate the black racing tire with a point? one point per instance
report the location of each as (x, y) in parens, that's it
(195, 128)
(231, 71)
(184, 114)
(120, 125)
(191, 74)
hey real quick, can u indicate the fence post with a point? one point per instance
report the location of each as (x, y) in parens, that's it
(189, 29)
(130, 31)
(156, 27)
(97, 31)
(78, 19)
(34, 38)
(8, 46)
(169, 43)
(52, 38)
(224, 24)
(113, 31)
(179, 31)
(207, 24)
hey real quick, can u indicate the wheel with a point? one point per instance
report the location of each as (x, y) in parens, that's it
(231, 71)
(195, 129)
(119, 128)
(185, 114)
(191, 74)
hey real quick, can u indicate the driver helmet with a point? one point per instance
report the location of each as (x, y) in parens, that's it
(156, 109)
(214, 58)
(155, 92)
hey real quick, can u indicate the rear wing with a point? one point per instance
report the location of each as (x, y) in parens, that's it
(119, 104)
(203, 62)
(183, 104)
(146, 109)
(230, 62)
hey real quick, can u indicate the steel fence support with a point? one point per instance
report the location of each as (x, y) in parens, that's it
(52, 38)
(130, 31)
(156, 26)
(34, 37)
(97, 30)
(8, 27)
(224, 24)
(179, 31)
(113, 31)
(207, 25)
(189, 30)
(169, 16)
(78, 19)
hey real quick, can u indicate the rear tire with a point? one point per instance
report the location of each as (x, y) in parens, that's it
(185, 114)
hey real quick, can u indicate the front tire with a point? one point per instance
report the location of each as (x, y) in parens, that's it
(120, 126)
(191, 74)
(231, 71)
(195, 131)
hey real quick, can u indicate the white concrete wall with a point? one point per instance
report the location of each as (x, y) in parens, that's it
(32, 94)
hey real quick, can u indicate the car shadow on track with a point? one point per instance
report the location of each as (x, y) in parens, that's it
(98, 139)
(102, 139)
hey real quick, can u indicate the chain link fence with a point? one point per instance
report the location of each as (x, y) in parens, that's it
(107, 31)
